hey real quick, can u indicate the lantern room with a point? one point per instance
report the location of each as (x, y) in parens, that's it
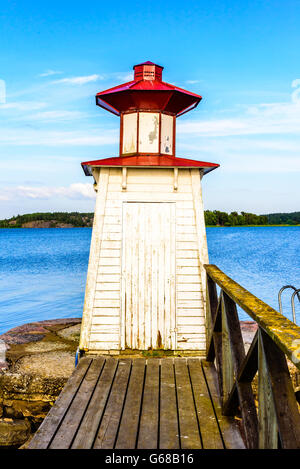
(145, 285)
(148, 108)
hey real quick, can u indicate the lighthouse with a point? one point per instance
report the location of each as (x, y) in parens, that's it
(145, 285)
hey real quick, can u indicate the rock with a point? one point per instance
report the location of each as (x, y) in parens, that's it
(55, 364)
(36, 331)
(26, 444)
(71, 333)
(19, 386)
(3, 348)
(38, 224)
(46, 224)
(14, 432)
(19, 409)
(41, 357)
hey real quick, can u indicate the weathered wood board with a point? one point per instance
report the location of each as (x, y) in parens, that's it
(138, 404)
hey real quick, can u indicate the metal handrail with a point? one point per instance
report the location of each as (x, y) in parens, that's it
(296, 292)
(280, 293)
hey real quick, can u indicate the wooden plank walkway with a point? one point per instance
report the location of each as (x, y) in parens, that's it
(168, 403)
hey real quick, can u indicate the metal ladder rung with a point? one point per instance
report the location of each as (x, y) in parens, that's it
(296, 292)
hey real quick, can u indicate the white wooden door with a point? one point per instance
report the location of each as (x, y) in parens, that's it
(148, 276)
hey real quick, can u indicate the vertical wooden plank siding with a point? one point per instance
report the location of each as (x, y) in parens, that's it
(178, 268)
(196, 176)
(148, 247)
(93, 259)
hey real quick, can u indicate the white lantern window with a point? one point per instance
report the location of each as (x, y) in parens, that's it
(148, 132)
(129, 133)
(166, 139)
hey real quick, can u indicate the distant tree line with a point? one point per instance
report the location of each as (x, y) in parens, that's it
(75, 219)
(212, 218)
(217, 218)
(284, 218)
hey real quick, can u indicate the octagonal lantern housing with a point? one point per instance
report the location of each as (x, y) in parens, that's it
(148, 108)
(145, 132)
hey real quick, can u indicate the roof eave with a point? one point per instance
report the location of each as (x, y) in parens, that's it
(89, 165)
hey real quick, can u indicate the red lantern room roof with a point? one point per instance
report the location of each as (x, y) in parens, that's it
(148, 161)
(147, 91)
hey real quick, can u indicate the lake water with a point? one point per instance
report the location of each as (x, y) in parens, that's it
(43, 271)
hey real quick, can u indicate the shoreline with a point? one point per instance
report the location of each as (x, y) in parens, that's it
(207, 226)
(251, 226)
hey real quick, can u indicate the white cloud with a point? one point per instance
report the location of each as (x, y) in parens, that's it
(23, 105)
(264, 119)
(49, 73)
(28, 136)
(249, 155)
(264, 138)
(125, 76)
(240, 145)
(192, 82)
(2, 92)
(271, 118)
(79, 80)
(260, 163)
(74, 191)
(296, 93)
(85, 190)
(50, 116)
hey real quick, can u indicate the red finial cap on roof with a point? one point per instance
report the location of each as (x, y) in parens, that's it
(147, 71)
(147, 92)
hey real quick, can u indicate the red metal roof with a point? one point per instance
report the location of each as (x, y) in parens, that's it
(150, 94)
(148, 63)
(163, 161)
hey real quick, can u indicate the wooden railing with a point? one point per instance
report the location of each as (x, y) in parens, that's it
(272, 420)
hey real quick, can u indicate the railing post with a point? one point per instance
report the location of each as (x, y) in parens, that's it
(236, 355)
(227, 361)
(267, 425)
(278, 410)
(213, 330)
(211, 307)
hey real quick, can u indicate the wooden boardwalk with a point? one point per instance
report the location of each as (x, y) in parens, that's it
(168, 403)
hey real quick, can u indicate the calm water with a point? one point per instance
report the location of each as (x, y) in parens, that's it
(261, 259)
(43, 271)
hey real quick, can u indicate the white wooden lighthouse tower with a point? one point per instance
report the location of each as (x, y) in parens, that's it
(146, 284)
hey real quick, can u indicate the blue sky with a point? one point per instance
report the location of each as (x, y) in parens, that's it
(242, 57)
